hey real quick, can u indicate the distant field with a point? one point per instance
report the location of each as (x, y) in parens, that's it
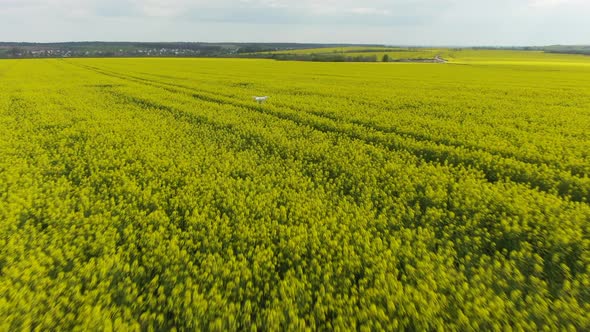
(155, 193)
(393, 52)
(516, 57)
(453, 55)
(332, 50)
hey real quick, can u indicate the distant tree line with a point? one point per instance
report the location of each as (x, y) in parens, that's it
(315, 57)
(581, 49)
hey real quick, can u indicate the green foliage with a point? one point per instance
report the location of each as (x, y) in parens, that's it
(155, 194)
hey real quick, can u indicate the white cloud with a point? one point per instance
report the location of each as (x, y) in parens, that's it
(554, 3)
(370, 11)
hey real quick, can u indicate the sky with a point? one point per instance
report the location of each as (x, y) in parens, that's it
(390, 22)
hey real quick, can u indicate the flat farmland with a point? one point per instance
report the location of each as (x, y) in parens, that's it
(140, 194)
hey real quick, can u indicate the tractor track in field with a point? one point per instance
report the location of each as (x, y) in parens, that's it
(392, 130)
(437, 153)
(250, 141)
(366, 124)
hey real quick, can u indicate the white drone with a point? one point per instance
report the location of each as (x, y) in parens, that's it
(260, 100)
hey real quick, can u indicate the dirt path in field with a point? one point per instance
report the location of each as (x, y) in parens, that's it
(439, 59)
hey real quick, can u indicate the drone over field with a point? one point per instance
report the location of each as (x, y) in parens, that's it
(260, 100)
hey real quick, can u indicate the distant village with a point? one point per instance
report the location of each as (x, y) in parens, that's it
(107, 50)
(138, 49)
(150, 52)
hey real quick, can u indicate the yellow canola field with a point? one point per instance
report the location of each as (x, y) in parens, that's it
(156, 194)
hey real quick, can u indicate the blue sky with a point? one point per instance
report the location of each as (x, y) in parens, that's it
(398, 22)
